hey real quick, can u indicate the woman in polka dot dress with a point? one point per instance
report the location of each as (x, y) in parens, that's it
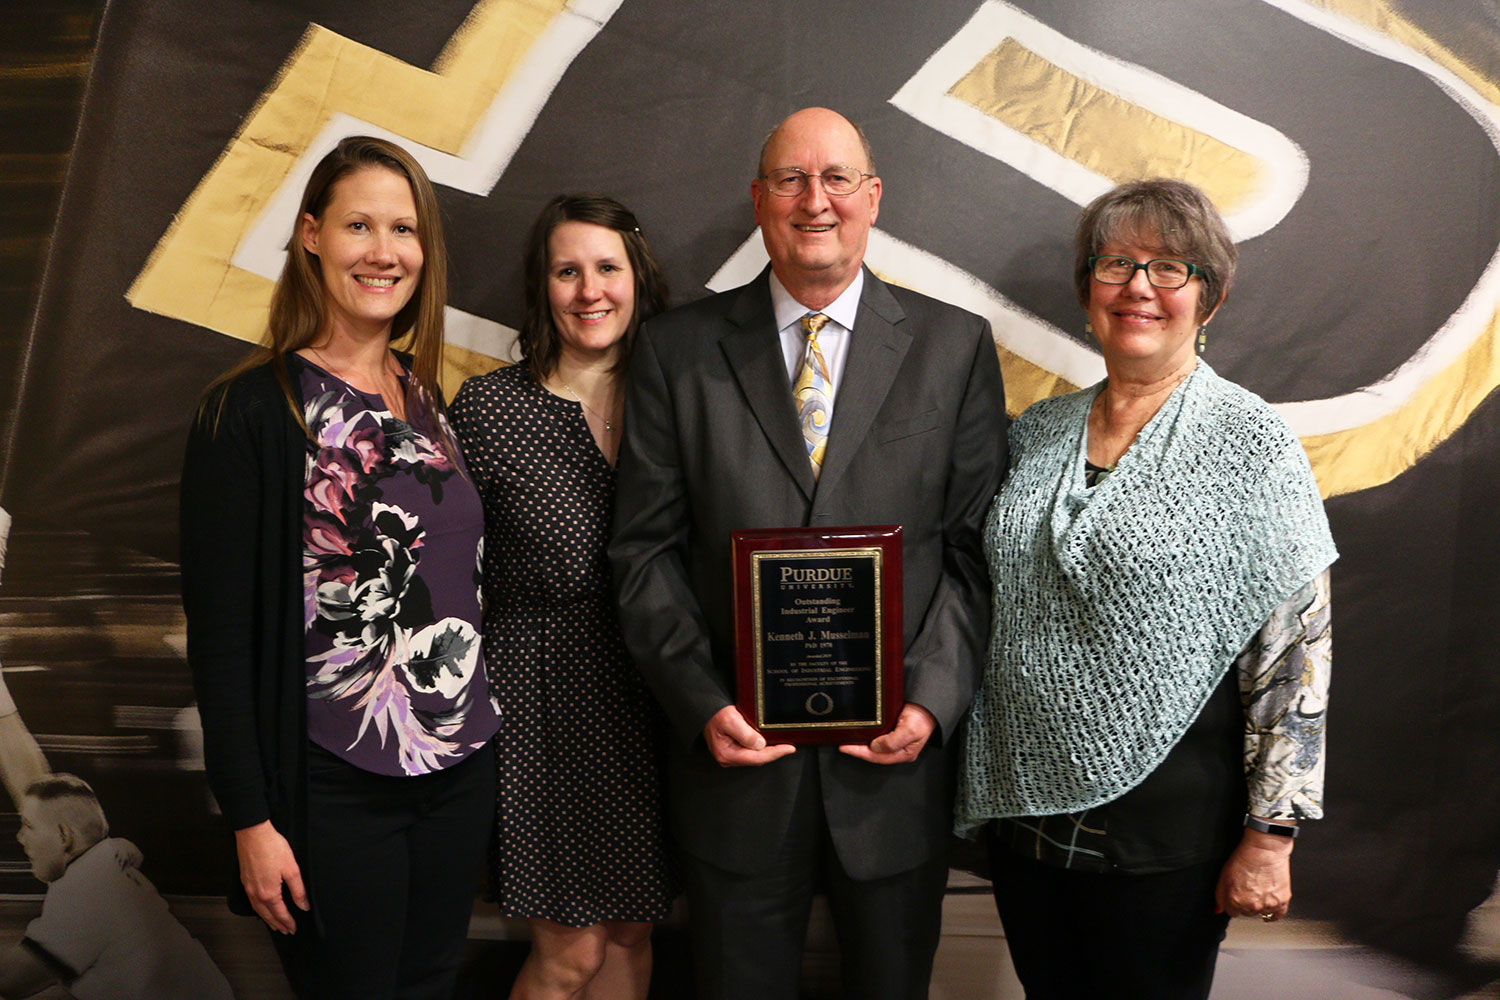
(580, 847)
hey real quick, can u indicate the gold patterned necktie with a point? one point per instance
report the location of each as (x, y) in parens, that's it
(814, 393)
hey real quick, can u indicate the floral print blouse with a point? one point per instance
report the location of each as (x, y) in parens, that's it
(393, 533)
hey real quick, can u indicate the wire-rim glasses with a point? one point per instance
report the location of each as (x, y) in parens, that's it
(788, 182)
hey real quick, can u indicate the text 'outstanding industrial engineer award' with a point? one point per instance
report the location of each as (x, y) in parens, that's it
(817, 629)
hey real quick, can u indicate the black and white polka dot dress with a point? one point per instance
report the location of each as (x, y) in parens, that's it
(579, 833)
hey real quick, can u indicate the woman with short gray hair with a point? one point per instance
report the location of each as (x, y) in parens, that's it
(1150, 727)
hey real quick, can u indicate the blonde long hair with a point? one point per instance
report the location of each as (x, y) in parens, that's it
(299, 307)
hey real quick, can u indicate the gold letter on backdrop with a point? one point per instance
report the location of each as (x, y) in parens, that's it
(217, 262)
(1056, 110)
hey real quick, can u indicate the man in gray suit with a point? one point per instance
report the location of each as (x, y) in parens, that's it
(910, 397)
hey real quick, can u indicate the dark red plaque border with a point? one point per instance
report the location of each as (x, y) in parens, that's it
(745, 544)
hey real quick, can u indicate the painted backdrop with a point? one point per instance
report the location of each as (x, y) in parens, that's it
(1352, 145)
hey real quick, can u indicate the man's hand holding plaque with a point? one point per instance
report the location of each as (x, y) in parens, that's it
(733, 742)
(914, 726)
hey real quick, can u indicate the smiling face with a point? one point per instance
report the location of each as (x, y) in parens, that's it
(42, 837)
(369, 255)
(590, 288)
(816, 242)
(1139, 324)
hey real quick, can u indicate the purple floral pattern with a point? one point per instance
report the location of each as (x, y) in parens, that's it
(392, 545)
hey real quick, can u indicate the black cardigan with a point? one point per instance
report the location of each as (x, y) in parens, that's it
(241, 555)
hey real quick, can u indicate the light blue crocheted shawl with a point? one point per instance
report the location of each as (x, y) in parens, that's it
(1117, 608)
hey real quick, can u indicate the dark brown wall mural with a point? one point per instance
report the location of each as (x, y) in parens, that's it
(151, 149)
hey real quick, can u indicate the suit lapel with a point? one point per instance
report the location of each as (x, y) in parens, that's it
(876, 351)
(753, 349)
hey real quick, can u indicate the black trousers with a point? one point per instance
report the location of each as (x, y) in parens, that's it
(395, 863)
(1133, 937)
(748, 931)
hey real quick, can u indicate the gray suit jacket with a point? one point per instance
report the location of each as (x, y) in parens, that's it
(712, 444)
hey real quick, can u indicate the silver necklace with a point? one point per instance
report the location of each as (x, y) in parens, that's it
(343, 373)
(392, 404)
(609, 425)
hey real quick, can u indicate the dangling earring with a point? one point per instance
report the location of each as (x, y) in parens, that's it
(1202, 337)
(1088, 330)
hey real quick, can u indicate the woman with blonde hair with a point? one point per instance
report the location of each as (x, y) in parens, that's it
(330, 548)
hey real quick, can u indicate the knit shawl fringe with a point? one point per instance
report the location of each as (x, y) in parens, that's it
(1118, 608)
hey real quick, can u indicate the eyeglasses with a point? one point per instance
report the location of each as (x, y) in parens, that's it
(1164, 272)
(788, 182)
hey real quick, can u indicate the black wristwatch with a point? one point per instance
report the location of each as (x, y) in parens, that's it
(1276, 829)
